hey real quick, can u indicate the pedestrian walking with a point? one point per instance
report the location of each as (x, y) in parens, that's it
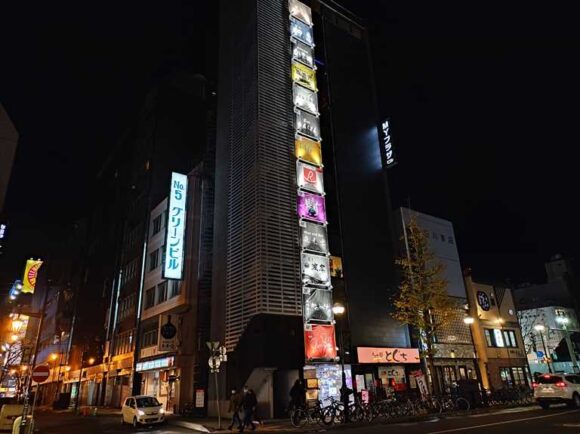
(235, 407)
(249, 403)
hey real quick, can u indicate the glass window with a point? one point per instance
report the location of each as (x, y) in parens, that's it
(549, 379)
(489, 338)
(509, 338)
(175, 288)
(150, 298)
(519, 376)
(505, 376)
(497, 335)
(162, 292)
(153, 260)
(157, 224)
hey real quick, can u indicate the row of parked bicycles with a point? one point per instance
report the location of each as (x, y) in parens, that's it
(384, 410)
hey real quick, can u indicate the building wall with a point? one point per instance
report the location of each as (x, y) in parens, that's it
(8, 143)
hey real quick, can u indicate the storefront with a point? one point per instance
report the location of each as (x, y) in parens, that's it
(384, 371)
(160, 378)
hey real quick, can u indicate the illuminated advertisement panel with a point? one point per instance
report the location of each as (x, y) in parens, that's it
(303, 54)
(301, 32)
(300, 11)
(313, 237)
(315, 269)
(309, 177)
(30, 275)
(304, 76)
(307, 124)
(311, 206)
(305, 99)
(308, 150)
(387, 355)
(318, 306)
(336, 267)
(175, 233)
(319, 342)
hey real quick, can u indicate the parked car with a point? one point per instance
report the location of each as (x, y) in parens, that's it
(557, 388)
(142, 409)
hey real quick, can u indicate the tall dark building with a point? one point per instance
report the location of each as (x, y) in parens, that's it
(296, 78)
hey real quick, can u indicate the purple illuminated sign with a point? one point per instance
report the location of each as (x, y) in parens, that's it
(312, 207)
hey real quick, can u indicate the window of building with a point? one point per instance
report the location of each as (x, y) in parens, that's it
(489, 338)
(519, 376)
(505, 377)
(157, 224)
(162, 292)
(150, 338)
(175, 288)
(150, 298)
(153, 260)
(124, 343)
(509, 338)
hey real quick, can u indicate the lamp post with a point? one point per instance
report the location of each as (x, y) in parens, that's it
(339, 310)
(563, 321)
(540, 329)
(469, 320)
(218, 354)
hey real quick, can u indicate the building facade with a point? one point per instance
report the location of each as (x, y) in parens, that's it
(299, 177)
(497, 335)
(455, 356)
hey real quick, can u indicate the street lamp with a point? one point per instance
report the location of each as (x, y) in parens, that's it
(563, 321)
(16, 325)
(540, 329)
(338, 310)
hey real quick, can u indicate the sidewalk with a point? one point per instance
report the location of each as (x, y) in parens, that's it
(210, 425)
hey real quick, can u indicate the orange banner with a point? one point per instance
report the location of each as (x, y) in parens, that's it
(319, 342)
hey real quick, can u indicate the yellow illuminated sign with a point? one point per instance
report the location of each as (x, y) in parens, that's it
(308, 150)
(30, 275)
(304, 76)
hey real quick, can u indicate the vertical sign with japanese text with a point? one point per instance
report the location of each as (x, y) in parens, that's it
(175, 234)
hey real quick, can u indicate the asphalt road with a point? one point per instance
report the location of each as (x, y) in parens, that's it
(66, 423)
(530, 420)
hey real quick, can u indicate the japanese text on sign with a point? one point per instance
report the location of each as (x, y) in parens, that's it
(176, 217)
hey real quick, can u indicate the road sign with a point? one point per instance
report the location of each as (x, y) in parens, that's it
(40, 373)
(540, 354)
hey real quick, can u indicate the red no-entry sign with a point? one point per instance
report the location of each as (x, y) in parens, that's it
(40, 373)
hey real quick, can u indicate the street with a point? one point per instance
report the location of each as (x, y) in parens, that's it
(528, 420)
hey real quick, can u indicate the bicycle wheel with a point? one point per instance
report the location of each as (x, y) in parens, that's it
(327, 416)
(298, 417)
(462, 404)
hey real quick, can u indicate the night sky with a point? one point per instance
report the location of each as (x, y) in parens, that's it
(483, 100)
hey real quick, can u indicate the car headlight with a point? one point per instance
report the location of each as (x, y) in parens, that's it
(140, 412)
(161, 411)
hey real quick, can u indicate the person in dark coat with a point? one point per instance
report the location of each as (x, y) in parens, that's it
(249, 403)
(235, 407)
(297, 395)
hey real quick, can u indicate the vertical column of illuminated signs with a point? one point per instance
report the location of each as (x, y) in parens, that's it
(175, 234)
(319, 337)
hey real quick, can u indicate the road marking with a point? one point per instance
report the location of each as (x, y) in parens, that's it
(501, 423)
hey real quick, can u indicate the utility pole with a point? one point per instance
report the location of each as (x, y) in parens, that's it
(218, 354)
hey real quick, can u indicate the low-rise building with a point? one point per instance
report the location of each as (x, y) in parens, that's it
(497, 336)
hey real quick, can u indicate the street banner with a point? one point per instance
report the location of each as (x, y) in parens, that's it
(307, 124)
(311, 206)
(304, 76)
(308, 150)
(175, 231)
(318, 306)
(300, 11)
(301, 32)
(313, 237)
(422, 385)
(315, 270)
(30, 275)
(309, 177)
(305, 99)
(303, 54)
(319, 342)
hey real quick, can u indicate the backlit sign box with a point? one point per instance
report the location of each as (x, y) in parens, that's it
(175, 228)
(387, 145)
(387, 355)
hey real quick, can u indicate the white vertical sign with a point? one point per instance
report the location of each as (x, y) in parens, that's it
(175, 235)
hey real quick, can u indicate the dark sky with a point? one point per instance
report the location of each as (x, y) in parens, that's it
(483, 99)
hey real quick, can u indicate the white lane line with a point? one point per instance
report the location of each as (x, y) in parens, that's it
(501, 423)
